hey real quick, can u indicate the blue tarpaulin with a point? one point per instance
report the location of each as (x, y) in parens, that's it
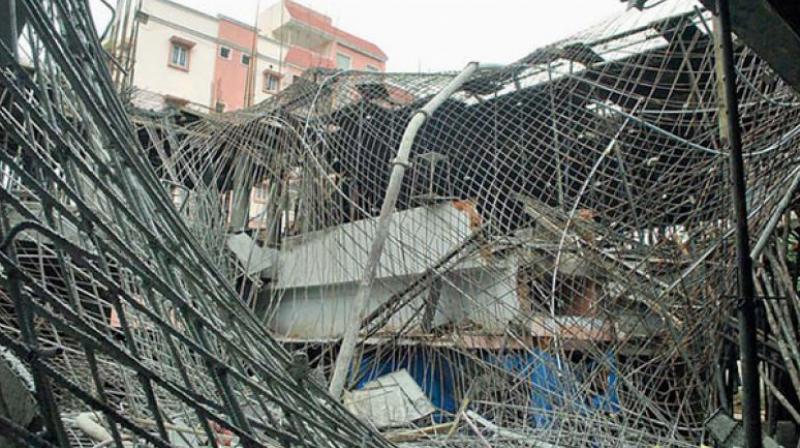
(433, 373)
(560, 386)
(553, 385)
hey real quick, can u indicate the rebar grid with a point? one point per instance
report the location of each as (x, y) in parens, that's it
(559, 271)
(108, 299)
(563, 238)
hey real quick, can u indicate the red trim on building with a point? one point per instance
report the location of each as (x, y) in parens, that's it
(302, 57)
(308, 15)
(324, 23)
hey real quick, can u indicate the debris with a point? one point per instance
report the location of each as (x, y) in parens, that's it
(389, 401)
(564, 235)
(17, 402)
(87, 422)
(87, 231)
(729, 433)
(408, 435)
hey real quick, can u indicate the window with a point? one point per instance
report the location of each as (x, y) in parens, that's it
(219, 107)
(246, 59)
(271, 82)
(179, 56)
(342, 61)
(372, 68)
(224, 52)
(180, 52)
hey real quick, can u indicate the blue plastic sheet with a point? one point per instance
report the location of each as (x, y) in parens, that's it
(553, 385)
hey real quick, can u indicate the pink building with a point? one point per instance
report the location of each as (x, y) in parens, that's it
(314, 41)
(231, 73)
(215, 63)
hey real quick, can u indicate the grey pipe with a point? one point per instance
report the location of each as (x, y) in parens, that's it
(776, 216)
(400, 163)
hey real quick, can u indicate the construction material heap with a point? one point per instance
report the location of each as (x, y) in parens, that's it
(555, 269)
(559, 265)
(109, 305)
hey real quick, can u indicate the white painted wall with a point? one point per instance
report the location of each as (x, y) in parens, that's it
(272, 18)
(269, 55)
(152, 72)
(153, 75)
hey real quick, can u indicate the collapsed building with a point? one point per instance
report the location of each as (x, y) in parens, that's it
(558, 268)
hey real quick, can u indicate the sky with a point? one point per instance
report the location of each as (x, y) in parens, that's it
(434, 35)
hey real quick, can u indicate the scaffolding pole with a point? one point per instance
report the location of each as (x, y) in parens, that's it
(729, 122)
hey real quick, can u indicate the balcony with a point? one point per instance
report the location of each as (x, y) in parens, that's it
(305, 58)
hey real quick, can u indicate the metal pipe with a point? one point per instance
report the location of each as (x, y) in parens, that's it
(400, 163)
(776, 216)
(729, 110)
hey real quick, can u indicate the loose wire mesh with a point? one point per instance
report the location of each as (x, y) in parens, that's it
(108, 302)
(559, 267)
(560, 264)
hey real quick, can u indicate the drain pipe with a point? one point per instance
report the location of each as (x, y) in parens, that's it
(400, 163)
